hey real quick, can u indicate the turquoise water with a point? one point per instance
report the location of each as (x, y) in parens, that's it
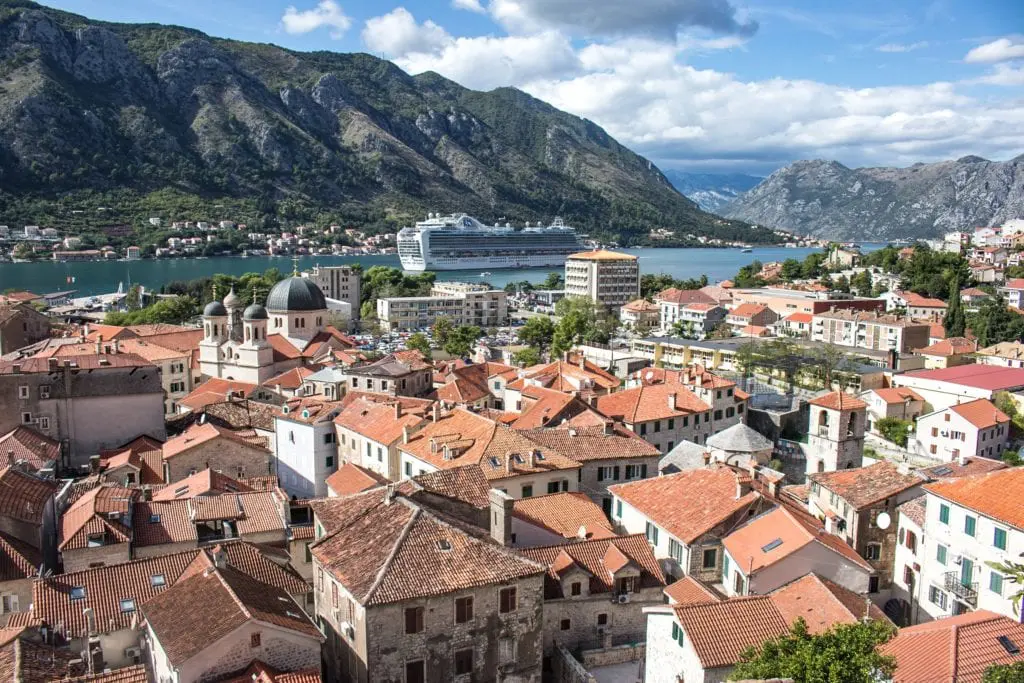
(98, 277)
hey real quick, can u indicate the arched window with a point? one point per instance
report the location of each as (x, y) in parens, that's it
(216, 331)
(852, 424)
(207, 329)
(823, 418)
(248, 335)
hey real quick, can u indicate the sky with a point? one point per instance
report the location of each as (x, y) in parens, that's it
(695, 85)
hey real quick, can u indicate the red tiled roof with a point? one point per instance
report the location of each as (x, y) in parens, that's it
(600, 559)
(690, 591)
(24, 496)
(129, 674)
(100, 511)
(215, 390)
(687, 504)
(898, 395)
(199, 434)
(571, 375)
(18, 560)
(798, 318)
(206, 482)
(864, 486)
(565, 514)
(956, 649)
(990, 377)
(143, 454)
(995, 494)
(584, 444)
(918, 301)
(1014, 283)
(747, 310)
(640, 306)
(651, 402)
(379, 421)
(953, 346)
(839, 400)
(289, 379)
(466, 484)
(351, 478)
(981, 413)
(684, 296)
(22, 443)
(381, 549)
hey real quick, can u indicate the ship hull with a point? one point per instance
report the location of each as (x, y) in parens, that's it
(484, 262)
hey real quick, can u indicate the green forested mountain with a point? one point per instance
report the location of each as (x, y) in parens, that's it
(116, 122)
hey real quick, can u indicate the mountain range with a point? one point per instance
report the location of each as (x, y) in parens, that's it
(142, 120)
(711, 191)
(829, 200)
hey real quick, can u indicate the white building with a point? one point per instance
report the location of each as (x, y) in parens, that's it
(944, 387)
(607, 278)
(974, 428)
(835, 439)
(306, 450)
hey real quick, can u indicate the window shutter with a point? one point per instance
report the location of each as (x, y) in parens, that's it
(615, 473)
(643, 471)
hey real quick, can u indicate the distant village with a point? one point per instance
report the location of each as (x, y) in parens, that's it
(622, 478)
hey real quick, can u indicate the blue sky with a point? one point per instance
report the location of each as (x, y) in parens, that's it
(711, 85)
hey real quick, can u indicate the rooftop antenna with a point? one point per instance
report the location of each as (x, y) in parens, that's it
(295, 265)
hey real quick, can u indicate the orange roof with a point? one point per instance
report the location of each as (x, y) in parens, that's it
(23, 496)
(918, 301)
(865, 486)
(23, 443)
(995, 494)
(687, 297)
(198, 434)
(839, 400)
(378, 421)
(351, 478)
(953, 346)
(898, 395)
(690, 591)
(565, 514)
(981, 413)
(571, 375)
(597, 442)
(215, 390)
(958, 648)
(798, 318)
(747, 310)
(754, 331)
(99, 511)
(283, 349)
(602, 255)
(208, 482)
(792, 530)
(687, 504)
(651, 402)
(600, 559)
(640, 305)
(290, 379)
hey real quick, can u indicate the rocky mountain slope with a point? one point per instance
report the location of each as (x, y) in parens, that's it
(711, 191)
(146, 115)
(827, 199)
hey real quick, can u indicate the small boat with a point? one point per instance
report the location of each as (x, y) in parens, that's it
(746, 251)
(485, 273)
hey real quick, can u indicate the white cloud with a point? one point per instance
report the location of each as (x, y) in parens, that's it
(326, 14)
(469, 5)
(1000, 50)
(1004, 74)
(397, 34)
(653, 18)
(902, 47)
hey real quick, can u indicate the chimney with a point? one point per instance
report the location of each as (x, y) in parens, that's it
(531, 458)
(95, 652)
(85, 330)
(147, 493)
(672, 401)
(508, 462)
(963, 459)
(565, 356)
(90, 620)
(707, 458)
(742, 486)
(398, 410)
(435, 411)
(501, 516)
(99, 344)
(117, 346)
(219, 556)
(583, 362)
(405, 433)
(389, 493)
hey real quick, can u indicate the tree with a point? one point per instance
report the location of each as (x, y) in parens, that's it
(847, 653)
(133, 300)
(1004, 673)
(171, 311)
(842, 284)
(538, 332)
(526, 357)
(553, 281)
(862, 283)
(1014, 573)
(443, 327)
(894, 429)
(791, 270)
(1003, 400)
(419, 342)
(828, 357)
(1012, 458)
(460, 340)
(955, 322)
(994, 323)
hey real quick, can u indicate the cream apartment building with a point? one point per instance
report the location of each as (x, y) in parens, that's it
(607, 278)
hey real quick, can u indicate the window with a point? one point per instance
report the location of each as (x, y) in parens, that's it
(78, 593)
(413, 620)
(23, 391)
(911, 541)
(26, 418)
(677, 634)
(44, 423)
(602, 619)
(464, 609)
(618, 509)
(940, 554)
(873, 551)
(408, 469)
(527, 490)
(157, 580)
(463, 662)
(995, 583)
(127, 605)
(944, 513)
(254, 640)
(936, 597)
(9, 603)
(970, 525)
(507, 600)
(506, 650)
(576, 588)
(329, 461)
(329, 437)
(710, 558)
(873, 584)
(652, 533)
(334, 594)
(725, 566)
(718, 414)
(672, 423)
(565, 624)
(643, 429)
(675, 550)
(552, 487)
(999, 538)
(416, 672)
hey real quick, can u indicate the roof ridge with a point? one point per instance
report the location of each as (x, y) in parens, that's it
(231, 591)
(509, 552)
(382, 572)
(575, 543)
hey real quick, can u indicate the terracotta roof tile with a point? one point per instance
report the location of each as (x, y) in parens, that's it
(584, 444)
(690, 591)
(102, 511)
(687, 504)
(379, 421)
(289, 379)
(565, 514)
(143, 454)
(747, 310)
(995, 495)
(798, 318)
(685, 296)
(864, 486)
(199, 434)
(37, 450)
(915, 509)
(215, 390)
(599, 559)
(310, 409)
(602, 255)
(128, 674)
(953, 346)
(895, 395)
(466, 484)
(822, 604)
(838, 400)
(981, 413)
(651, 402)
(954, 469)
(207, 482)
(574, 374)
(162, 522)
(24, 496)
(956, 649)
(18, 560)
(351, 478)
(25, 661)
(380, 548)
(990, 377)
(640, 306)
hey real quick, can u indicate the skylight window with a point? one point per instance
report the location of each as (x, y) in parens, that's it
(127, 605)
(154, 519)
(1008, 645)
(157, 580)
(539, 455)
(494, 462)
(180, 491)
(78, 593)
(444, 544)
(771, 546)
(942, 471)
(518, 458)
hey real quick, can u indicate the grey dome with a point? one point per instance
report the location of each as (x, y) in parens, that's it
(214, 309)
(232, 300)
(296, 294)
(255, 312)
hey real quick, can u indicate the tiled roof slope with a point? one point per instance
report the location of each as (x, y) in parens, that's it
(24, 496)
(687, 504)
(382, 546)
(22, 443)
(565, 514)
(838, 400)
(593, 443)
(599, 558)
(351, 478)
(208, 482)
(865, 486)
(995, 495)
(690, 591)
(103, 510)
(651, 402)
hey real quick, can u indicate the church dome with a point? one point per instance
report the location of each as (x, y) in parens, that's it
(232, 300)
(255, 312)
(296, 294)
(214, 309)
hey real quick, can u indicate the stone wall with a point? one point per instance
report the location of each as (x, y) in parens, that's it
(237, 460)
(101, 556)
(617, 654)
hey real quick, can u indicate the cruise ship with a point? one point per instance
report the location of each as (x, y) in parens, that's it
(461, 242)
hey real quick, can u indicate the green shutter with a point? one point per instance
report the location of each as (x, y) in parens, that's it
(940, 554)
(995, 583)
(944, 514)
(999, 540)
(969, 525)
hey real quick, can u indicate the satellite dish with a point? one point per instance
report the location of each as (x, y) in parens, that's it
(883, 520)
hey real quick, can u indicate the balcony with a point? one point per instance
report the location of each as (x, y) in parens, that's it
(965, 592)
